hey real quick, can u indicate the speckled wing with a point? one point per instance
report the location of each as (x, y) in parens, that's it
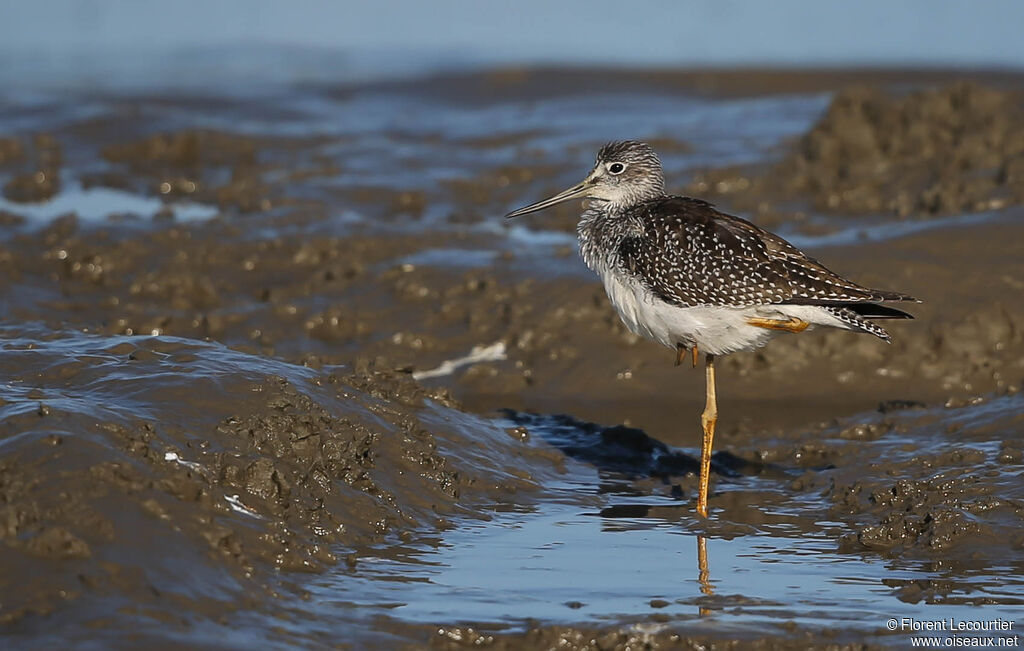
(689, 254)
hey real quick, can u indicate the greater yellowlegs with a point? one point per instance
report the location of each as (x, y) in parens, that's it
(692, 278)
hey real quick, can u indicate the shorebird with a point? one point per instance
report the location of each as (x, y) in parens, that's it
(683, 274)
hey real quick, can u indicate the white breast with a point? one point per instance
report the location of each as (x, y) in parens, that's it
(716, 330)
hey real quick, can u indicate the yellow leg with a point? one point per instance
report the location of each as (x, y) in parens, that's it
(791, 325)
(707, 421)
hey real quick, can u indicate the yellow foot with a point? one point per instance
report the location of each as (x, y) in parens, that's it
(681, 354)
(793, 324)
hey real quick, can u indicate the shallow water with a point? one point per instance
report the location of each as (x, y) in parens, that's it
(99, 204)
(401, 139)
(598, 547)
(564, 565)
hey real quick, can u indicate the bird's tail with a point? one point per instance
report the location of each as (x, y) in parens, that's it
(856, 315)
(876, 311)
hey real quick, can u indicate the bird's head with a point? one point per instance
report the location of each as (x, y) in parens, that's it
(626, 173)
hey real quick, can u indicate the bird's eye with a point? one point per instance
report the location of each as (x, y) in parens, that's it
(616, 168)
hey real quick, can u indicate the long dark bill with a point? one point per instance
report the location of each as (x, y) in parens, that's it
(576, 191)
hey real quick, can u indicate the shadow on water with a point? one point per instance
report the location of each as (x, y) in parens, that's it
(622, 454)
(631, 452)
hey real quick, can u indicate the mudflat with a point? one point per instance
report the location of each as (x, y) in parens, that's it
(277, 372)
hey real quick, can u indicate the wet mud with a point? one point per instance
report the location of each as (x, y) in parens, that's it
(129, 460)
(272, 424)
(954, 149)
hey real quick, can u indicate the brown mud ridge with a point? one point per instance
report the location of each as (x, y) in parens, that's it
(954, 149)
(130, 459)
(273, 428)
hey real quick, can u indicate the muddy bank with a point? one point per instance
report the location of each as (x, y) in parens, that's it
(174, 475)
(904, 490)
(948, 150)
(129, 458)
(929, 494)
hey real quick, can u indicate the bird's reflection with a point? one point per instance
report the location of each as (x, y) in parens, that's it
(703, 572)
(624, 457)
(624, 517)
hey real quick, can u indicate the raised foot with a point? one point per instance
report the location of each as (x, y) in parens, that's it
(681, 354)
(790, 325)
